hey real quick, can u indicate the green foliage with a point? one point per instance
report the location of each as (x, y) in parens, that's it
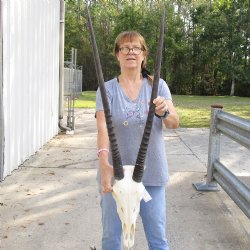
(206, 47)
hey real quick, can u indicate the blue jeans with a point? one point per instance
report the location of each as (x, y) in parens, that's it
(153, 214)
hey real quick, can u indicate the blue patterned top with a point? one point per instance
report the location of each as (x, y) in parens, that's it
(129, 119)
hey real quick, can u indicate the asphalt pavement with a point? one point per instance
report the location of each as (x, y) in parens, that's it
(51, 201)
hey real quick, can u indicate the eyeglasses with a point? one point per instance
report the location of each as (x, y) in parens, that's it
(135, 50)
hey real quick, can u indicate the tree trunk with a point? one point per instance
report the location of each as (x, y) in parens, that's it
(232, 74)
(232, 86)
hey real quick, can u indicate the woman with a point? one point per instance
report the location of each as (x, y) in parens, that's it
(129, 96)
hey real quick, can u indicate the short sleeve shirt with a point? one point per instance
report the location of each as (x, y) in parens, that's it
(129, 119)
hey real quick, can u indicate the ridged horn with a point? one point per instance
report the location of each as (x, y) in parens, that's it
(117, 162)
(139, 165)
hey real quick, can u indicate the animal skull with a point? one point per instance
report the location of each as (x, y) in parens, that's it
(128, 194)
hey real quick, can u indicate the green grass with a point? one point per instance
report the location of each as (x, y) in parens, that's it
(86, 100)
(194, 111)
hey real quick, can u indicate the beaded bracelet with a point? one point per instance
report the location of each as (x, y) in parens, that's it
(102, 149)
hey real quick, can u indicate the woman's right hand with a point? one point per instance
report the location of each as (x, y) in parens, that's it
(106, 177)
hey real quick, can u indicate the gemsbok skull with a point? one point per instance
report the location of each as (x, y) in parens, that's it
(128, 189)
(128, 194)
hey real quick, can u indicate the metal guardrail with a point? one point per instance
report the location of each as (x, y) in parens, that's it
(238, 129)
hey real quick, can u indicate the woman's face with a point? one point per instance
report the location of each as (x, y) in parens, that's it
(130, 55)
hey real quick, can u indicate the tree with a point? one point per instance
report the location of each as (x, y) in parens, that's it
(206, 46)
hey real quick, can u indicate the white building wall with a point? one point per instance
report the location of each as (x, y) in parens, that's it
(30, 77)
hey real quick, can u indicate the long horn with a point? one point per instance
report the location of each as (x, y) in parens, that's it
(139, 166)
(117, 162)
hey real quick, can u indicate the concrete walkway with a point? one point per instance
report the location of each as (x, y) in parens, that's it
(51, 202)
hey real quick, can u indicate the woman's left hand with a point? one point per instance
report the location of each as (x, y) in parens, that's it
(161, 105)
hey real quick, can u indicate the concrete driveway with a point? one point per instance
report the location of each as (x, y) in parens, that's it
(51, 202)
